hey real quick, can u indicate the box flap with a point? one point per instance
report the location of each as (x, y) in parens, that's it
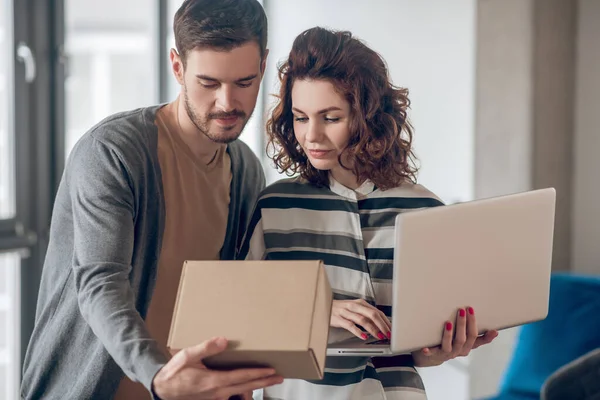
(321, 319)
(288, 364)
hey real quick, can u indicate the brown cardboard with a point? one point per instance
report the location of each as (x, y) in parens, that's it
(274, 313)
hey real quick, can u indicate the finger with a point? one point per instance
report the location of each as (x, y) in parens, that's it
(472, 330)
(363, 321)
(460, 334)
(487, 338)
(195, 354)
(381, 322)
(249, 386)
(447, 338)
(241, 376)
(377, 319)
(387, 324)
(384, 319)
(351, 327)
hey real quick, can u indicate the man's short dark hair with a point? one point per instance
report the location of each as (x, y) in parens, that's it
(219, 24)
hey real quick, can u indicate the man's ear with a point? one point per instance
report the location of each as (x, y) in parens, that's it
(177, 66)
(263, 63)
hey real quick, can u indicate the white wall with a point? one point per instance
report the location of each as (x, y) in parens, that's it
(586, 202)
(429, 46)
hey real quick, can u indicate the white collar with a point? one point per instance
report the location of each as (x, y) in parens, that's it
(360, 192)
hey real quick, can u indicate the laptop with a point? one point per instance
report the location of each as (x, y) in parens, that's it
(494, 255)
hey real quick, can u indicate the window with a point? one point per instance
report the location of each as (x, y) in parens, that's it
(9, 261)
(112, 66)
(7, 172)
(9, 325)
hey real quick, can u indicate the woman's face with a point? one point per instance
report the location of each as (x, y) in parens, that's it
(321, 122)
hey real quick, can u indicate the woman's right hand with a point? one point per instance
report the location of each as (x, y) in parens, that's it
(348, 314)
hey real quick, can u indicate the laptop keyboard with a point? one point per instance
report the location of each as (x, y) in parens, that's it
(383, 341)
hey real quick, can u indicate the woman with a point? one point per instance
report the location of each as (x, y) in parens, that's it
(342, 127)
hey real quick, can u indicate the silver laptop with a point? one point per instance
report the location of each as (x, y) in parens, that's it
(494, 255)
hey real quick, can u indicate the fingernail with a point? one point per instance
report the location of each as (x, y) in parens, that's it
(471, 311)
(448, 326)
(389, 335)
(364, 336)
(380, 336)
(461, 312)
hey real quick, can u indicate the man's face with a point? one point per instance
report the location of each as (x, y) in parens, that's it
(219, 88)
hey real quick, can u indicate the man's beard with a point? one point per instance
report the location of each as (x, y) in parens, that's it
(228, 135)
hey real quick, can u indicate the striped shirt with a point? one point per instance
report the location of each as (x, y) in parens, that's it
(352, 231)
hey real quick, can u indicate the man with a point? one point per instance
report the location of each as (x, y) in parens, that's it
(142, 192)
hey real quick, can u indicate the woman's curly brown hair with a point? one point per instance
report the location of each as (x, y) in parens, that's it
(380, 144)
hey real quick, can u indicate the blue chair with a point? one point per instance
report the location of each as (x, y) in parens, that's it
(571, 330)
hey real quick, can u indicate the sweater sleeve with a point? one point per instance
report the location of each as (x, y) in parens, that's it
(103, 202)
(253, 245)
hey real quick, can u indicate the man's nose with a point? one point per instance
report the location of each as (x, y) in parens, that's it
(225, 98)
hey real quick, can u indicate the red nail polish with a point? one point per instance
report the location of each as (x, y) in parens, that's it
(389, 335)
(471, 311)
(448, 326)
(461, 312)
(380, 336)
(364, 336)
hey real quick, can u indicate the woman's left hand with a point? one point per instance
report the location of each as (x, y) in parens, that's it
(455, 342)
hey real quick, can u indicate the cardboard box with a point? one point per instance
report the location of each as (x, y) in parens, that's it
(274, 313)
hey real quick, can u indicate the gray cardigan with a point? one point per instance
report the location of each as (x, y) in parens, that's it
(101, 263)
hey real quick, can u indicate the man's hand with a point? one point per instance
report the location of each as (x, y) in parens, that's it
(186, 377)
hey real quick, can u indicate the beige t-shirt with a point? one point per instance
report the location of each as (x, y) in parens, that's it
(196, 192)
